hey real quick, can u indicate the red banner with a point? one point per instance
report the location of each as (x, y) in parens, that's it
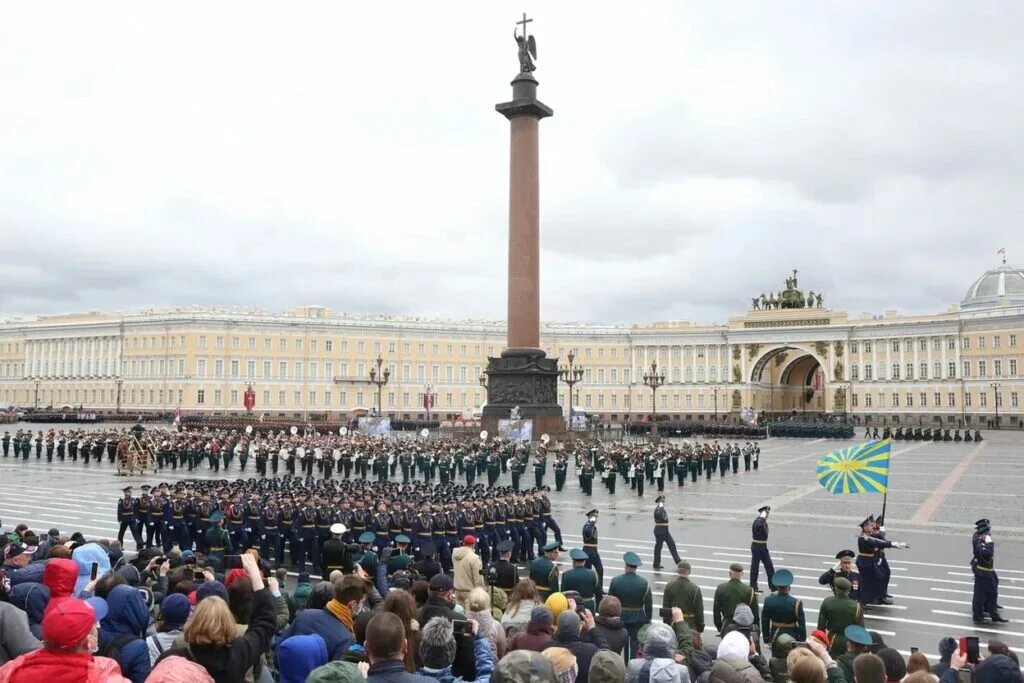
(250, 399)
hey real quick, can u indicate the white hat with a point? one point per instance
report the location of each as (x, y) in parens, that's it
(338, 529)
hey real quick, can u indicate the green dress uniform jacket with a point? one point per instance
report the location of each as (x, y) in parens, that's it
(782, 613)
(545, 575)
(584, 582)
(686, 595)
(634, 593)
(836, 613)
(728, 596)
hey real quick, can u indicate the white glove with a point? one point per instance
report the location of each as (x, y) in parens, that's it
(837, 566)
(988, 539)
(900, 545)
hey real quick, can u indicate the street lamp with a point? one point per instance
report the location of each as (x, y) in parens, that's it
(654, 380)
(118, 381)
(995, 391)
(37, 392)
(715, 388)
(571, 375)
(380, 378)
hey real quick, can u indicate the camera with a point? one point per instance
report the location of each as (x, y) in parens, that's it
(232, 562)
(666, 615)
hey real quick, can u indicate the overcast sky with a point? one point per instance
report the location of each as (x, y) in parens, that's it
(349, 155)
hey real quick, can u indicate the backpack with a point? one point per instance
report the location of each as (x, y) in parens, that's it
(113, 648)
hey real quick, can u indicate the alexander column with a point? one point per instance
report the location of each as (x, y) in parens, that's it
(523, 376)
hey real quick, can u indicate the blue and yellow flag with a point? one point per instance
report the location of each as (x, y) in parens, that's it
(858, 469)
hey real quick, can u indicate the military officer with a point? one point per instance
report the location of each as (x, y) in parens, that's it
(634, 593)
(400, 559)
(581, 580)
(128, 517)
(332, 552)
(986, 581)
(837, 612)
(561, 467)
(843, 567)
(685, 594)
(782, 613)
(218, 540)
(662, 535)
(544, 573)
(872, 582)
(503, 573)
(730, 594)
(759, 549)
(590, 546)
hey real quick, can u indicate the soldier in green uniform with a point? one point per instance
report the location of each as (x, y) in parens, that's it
(858, 640)
(634, 593)
(685, 594)
(731, 593)
(218, 540)
(400, 559)
(561, 466)
(544, 573)
(782, 613)
(581, 580)
(837, 612)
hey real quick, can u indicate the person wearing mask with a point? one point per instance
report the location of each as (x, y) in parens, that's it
(659, 661)
(211, 634)
(70, 636)
(298, 656)
(174, 612)
(121, 632)
(386, 646)
(438, 650)
(335, 623)
(579, 637)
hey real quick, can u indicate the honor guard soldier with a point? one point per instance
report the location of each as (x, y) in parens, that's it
(634, 593)
(837, 612)
(7, 444)
(730, 594)
(986, 582)
(218, 540)
(859, 636)
(735, 459)
(128, 517)
(582, 580)
(843, 567)
(544, 573)
(759, 549)
(269, 526)
(590, 546)
(561, 467)
(782, 613)
(685, 594)
(332, 553)
(872, 582)
(662, 535)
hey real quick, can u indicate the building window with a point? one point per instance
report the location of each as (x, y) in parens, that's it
(854, 372)
(327, 398)
(312, 344)
(1013, 399)
(967, 368)
(200, 367)
(910, 400)
(312, 398)
(298, 369)
(280, 399)
(1013, 367)
(936, 344)
(266, 369)
(867, 400)
(895, 400)
(218, 368)
(853, 400)
(282, 370)
(951, 370)
(216, 397)
(283, 344)
(937, 399)
(234, 368)
(202, 341)
(951, 343)
(234, 342)
(266, 397)
(328, 347)
(853, 347)
(298, 399)
(923, 344)
(201, 396)
(298, 344)
(924, 371)
(266, 345)
(234, 397)
(895, 371)
(981, 343)
(995, 341)
(951, 400)
(967, 400)
(981, 369)
(867, 372)
(997, 368)
(965, 343)
(895, 346)
(910, 371)
(1013, 340)
(983, 399)
(867, 349)
(220, 342)
(937, 369)
(313, 369)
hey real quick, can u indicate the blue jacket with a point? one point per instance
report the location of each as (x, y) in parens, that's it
(33, 573)
(31, 598)
(127, 615)
(484, 665)
(336, 637)
(298, 656)
(393, 671)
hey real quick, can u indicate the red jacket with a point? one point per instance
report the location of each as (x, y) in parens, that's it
(42, 665)
(60, 576)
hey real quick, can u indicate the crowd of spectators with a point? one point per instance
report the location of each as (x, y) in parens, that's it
(76, 609)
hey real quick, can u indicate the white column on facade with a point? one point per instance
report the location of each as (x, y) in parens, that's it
(707, 363)
(917, 351)
(928, 355)
(945, 363)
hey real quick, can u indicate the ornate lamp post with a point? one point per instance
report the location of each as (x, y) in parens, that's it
(654, 381)
(714, 395)
(36, 381)
(379, 377)
(572, 376)
(118, 381)
(995, 391)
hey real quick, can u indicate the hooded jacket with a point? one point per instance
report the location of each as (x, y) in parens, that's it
(492, 631)
(614, 631)
(32, 599)
(466, 567)
(60, 668)
(85, 555)
(659, 653)
(127, 616)
(60, 577)
(298, 656)
(336, 672)
(583, 647)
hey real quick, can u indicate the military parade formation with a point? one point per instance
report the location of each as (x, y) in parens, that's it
(921, 434)
(328, 501)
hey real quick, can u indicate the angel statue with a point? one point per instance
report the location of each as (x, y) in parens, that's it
(527, 51)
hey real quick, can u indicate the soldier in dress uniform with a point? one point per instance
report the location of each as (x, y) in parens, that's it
(590, 546)
(128, 517)
(544, 573)
(843, 567)
(730, 594)
(782, 613)
(634, 593)
(503, 573)
(685, 594)
(759, 549)
(332, 553)
(400, 558)
(7, 443)
(986, 581)
(872, 585)
(837, 612)
(560, 467)
(218, 540)
(582, 580)
(662, 535)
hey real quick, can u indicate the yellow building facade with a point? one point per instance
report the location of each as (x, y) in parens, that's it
(963, 365)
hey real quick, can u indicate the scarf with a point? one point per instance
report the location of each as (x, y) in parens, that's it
(343, 614)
